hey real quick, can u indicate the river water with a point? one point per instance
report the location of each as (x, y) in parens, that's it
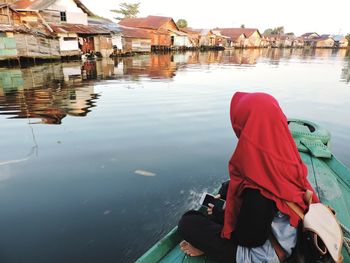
(99, 159)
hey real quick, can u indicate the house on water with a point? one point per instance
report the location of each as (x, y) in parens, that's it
(135, 40)
(193, 36)
(236, 38)
(253, 38)
(323, 41)
(68, 20)
(163, 30)
(340, 41)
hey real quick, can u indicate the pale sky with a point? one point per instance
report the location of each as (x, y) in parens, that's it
(298, 16)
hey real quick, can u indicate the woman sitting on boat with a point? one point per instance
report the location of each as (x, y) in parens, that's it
(265, 170)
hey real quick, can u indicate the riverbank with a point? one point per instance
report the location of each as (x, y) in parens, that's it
(11, 62)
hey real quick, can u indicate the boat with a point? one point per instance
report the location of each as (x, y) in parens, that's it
(329, 177)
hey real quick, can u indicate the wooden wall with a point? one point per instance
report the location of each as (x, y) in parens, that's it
(36, 46)
(136, 45)
(7, 45)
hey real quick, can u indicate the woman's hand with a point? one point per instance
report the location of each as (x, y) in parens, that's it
(211, 206)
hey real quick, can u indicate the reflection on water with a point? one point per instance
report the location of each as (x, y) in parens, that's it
(345, 74)
(140, 138)
(42, 93)
(52, 91)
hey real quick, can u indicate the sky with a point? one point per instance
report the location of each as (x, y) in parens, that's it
(298, 16)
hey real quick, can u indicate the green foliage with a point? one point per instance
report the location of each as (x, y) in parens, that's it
(268, 31)
(181, 23)
(275, 31)
(243, 26)
(127, 10)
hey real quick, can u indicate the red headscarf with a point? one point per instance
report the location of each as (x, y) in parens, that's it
(266, 158)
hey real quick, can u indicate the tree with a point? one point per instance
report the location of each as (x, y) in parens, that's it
(268, 31)
(181, 23)
(127, 10)
(243, 26)
(275, 31)
(278, 30)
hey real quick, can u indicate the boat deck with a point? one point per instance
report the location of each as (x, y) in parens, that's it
(329, 177)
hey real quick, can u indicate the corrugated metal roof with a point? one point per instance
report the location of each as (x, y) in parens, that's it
(338, 37)
(37, 5)
(25, 29)
(177, 32)
(32, 4)
(238, 31)
(323, 37)
(308, 34)
(189, 30)
(105, 23)
(6, 28)
(79, 29)
(130, 32)
(150, 22)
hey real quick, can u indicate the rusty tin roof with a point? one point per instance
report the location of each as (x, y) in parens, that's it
(149, 22)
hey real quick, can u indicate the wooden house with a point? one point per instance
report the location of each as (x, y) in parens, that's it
(193, 36)
(206, 37)
(265, 41)
(340, 41)
(179, 39)
(7, 14)
(236, 38)
(53, 11)
(112, 27)
(220, 39)
(163, 31)
(135, 40)
(68, 19)
(280, 40)
(298, 42)
(324, 41)
(22, 42)
(88, 38)
(252, 36)
(310, 35)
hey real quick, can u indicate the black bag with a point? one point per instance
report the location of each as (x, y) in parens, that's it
(319, 235)
(305, 250)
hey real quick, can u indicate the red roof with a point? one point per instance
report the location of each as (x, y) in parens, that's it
(238, 31)
(78, 29)
(189, 30)
(233, 33)
(149, 22)
(135, 32)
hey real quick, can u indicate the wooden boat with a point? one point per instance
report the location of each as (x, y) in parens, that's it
(329, 177)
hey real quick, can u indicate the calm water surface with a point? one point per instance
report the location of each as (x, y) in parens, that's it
(99, 159)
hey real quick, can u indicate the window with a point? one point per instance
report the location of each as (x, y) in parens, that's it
(69, 38)
(63, 16)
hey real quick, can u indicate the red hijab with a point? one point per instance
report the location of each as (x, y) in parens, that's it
(266, 158)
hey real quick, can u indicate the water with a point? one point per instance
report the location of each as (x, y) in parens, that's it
(100, 159)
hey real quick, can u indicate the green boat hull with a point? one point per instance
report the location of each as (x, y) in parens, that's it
(329, 177)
